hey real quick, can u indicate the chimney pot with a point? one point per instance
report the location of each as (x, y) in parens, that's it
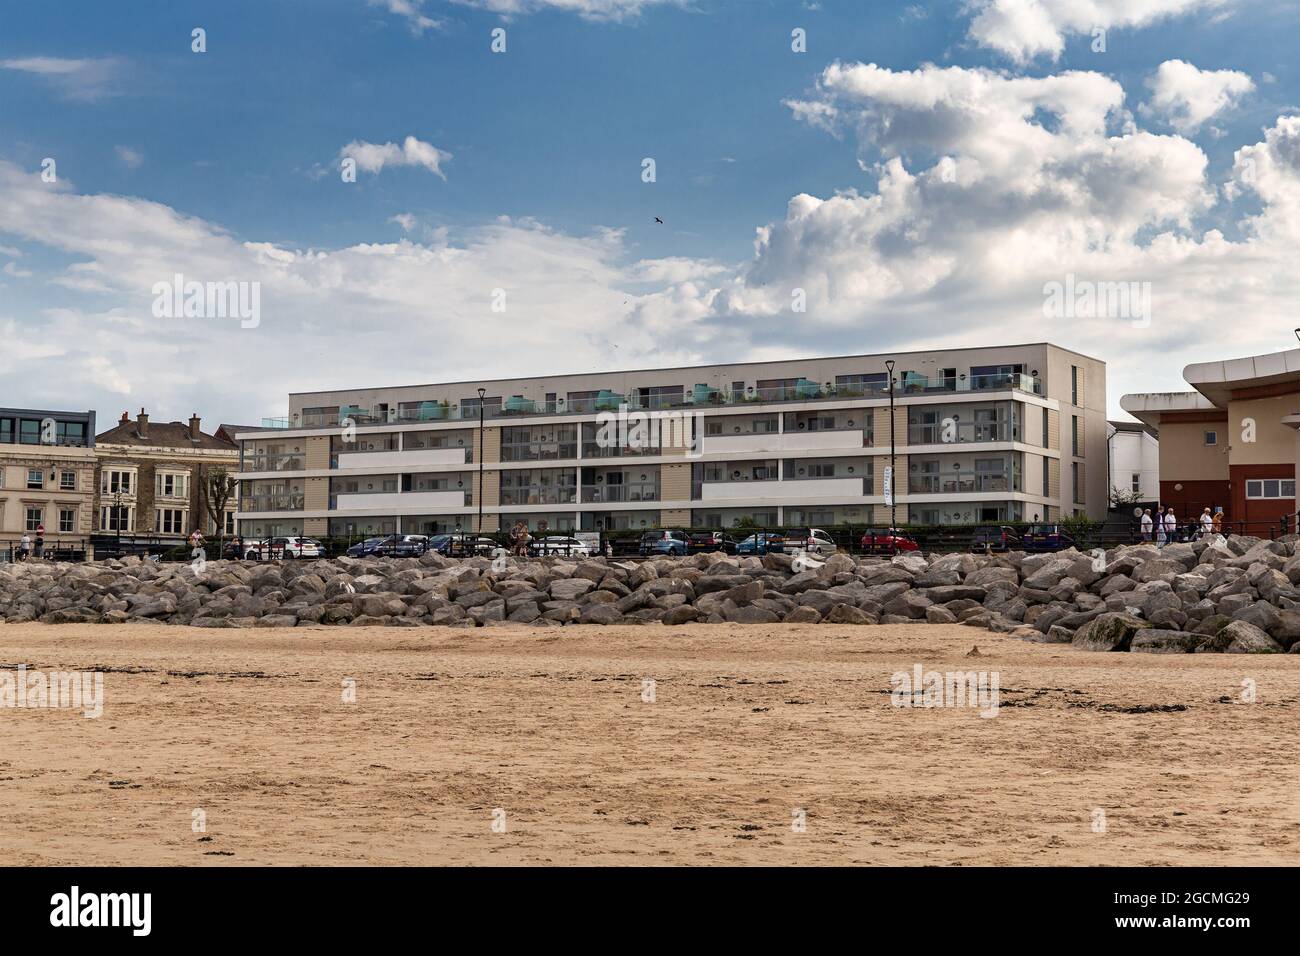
(142, 424)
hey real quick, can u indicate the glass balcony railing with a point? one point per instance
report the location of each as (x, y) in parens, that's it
(539, 495)
(286, 501)
(963, 482)
(960, 432)
(274, 462)
(631, 491)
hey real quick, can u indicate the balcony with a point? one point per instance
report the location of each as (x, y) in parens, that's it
(962, 432)
(963, 483)
(403, 502)
(264, 461)
(631, 491)
(739, 488)
(283, 501)
(802, 488)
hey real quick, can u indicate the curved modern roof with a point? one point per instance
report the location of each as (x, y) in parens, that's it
(1216, 380)
(1147, 407)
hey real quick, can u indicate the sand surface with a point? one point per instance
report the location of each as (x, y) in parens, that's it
(749, 725)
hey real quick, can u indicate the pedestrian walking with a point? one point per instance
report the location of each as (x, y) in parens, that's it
(25, 547)
(1218, 521)
(1146, 524)
(40, 541)
(1170, 523)
(1207, 523)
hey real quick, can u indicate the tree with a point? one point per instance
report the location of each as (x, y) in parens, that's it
(218, 488)
(1121, 498)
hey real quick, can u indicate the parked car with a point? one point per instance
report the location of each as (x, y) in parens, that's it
(995, 538)
(811, 540)
(711, 541)
(391, 546)
(1047, 537)
(762, 543)
(558, 546)
(665, 542)
(261, 549)
(887, 541)
(457, 544)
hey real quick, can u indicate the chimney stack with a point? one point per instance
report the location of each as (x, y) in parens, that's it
(194, 427)
(125, 418)
(142, 424)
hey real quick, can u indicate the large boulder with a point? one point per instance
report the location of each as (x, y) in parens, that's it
(1108, 632)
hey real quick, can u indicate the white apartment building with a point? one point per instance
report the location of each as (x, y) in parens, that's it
(999, 433)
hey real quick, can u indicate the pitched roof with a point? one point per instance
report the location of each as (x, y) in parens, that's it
(162, 435)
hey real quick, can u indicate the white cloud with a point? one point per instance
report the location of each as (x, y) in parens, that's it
(78, 79)
(13, 269)
(130, 158)
(1025, 29)
(412, 11)
(1186, 97)
(587, 9)
(403, 219)
(373, 157)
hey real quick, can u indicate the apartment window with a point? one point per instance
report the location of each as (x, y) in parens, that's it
(113, 482)
(230, 523)
(1074, 385)
(6, 430)
(1074, 435)
(67, 520)
(67, 481)
(2, 476)
(70, 433)
(1047, 469)
(29, 432)
(35, 478)
(737, 389)
(660, 396)
(864, 384)
(1046, 418)
(171, 485)
(1074, 480)
(1271, 488)
(469, 407)
(1211, 438)
(116, 519)
(1136, 483)
(169, 520)
(34, 518)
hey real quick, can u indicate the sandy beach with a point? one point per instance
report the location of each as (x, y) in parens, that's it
(762, 745)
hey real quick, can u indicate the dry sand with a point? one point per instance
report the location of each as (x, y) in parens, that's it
(749, 724)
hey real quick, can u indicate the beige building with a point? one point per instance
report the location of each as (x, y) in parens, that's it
(47, 477)
(149, 481)
(994, 434)
(1231, 442)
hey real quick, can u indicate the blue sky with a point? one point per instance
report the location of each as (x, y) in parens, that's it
(219, 157)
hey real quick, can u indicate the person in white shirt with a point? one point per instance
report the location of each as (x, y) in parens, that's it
(25, 546)
(1170, 523)
(1207, 523)
(1146, 524)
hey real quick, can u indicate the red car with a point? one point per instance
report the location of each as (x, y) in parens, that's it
(886, 541)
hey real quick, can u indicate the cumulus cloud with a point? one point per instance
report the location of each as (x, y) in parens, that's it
(1186, 97)
(86, 79)
(373, 157)
(403, 219)
(1025, 29)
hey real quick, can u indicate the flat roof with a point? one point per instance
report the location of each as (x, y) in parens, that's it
(689, 368)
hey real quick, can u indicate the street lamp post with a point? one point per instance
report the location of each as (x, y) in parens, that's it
(481, 393)
(889, 365)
